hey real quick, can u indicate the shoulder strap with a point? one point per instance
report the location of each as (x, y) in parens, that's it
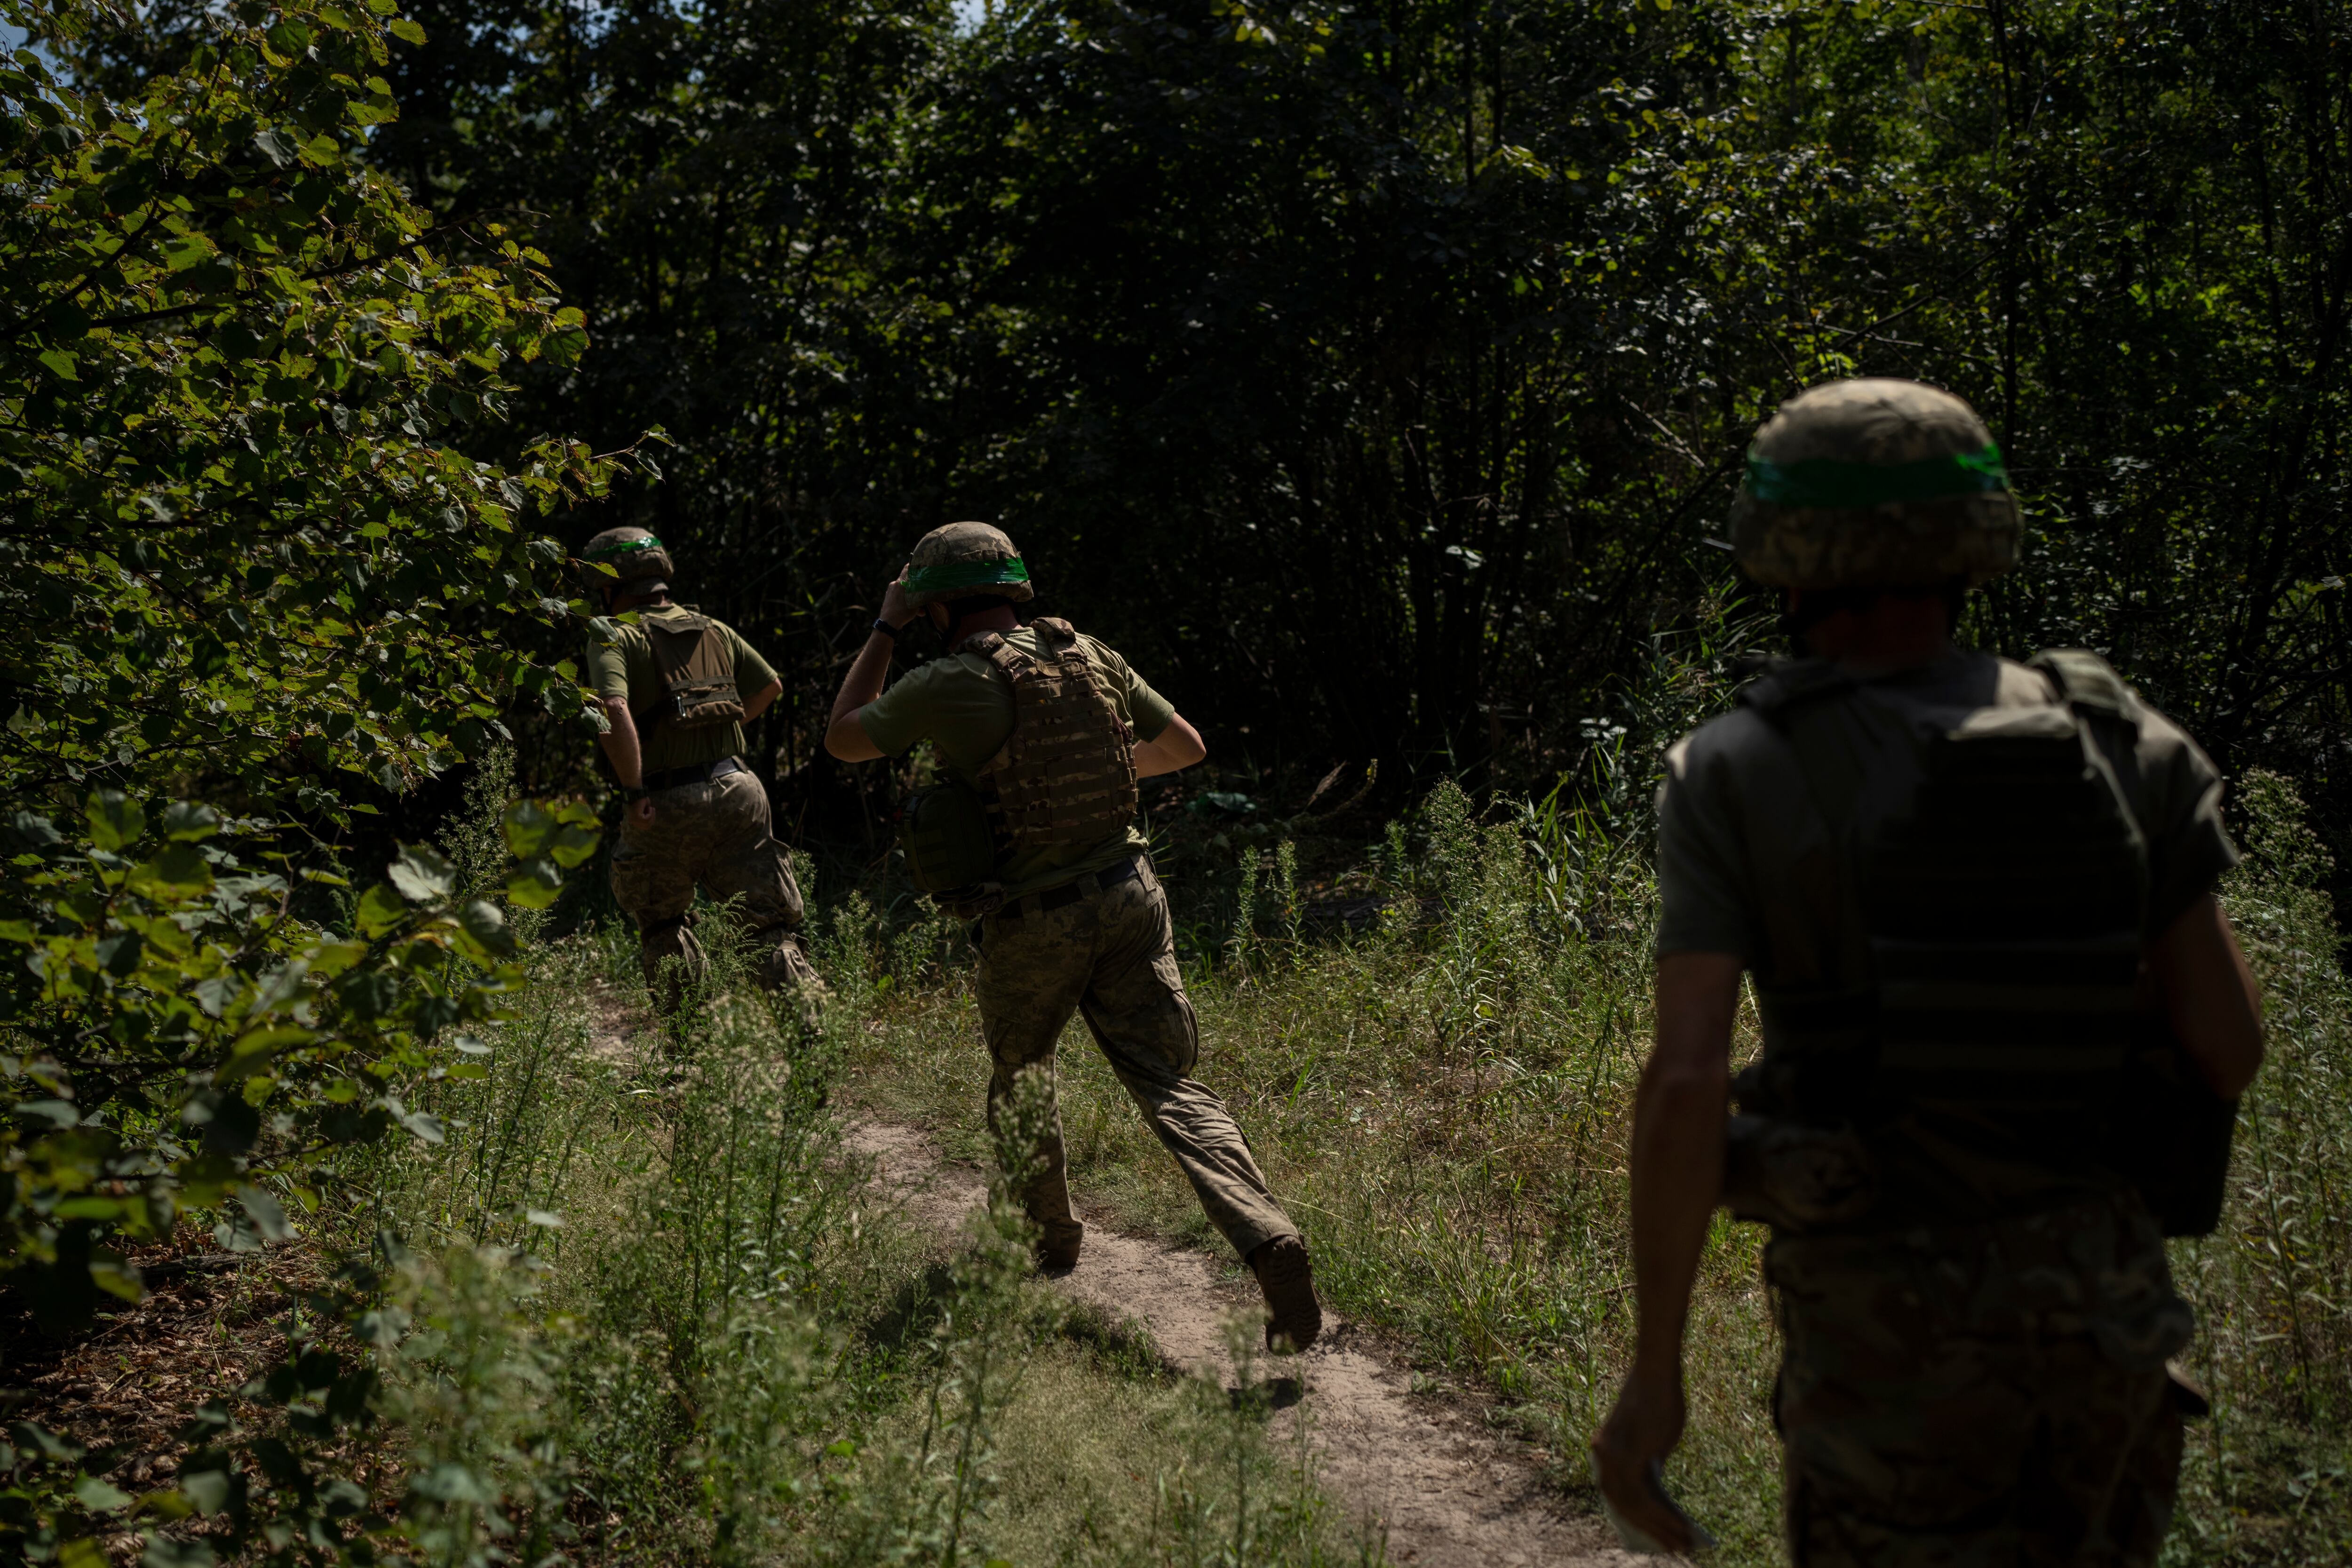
(1787, 693)
(2087, 683)
(1790, 683)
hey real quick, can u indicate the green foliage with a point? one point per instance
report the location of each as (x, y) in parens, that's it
(178, 1043)
(2266, 1478)
(243, 545)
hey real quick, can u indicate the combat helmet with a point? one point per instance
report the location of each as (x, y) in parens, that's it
(964, 559)
(644, 565)
(1874, 483)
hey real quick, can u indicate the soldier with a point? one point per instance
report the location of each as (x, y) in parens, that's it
(1054, 729)
(1967, 891)
(672, 687)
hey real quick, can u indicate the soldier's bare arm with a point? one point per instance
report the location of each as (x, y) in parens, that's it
(845, 737)
(620, 743)
(758, 702)
(1678, 1179)
(1178, 746)
(2210, 996)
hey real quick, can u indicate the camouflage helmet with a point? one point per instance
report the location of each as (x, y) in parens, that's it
(964, 559)
(633, 553)
(1874, 484)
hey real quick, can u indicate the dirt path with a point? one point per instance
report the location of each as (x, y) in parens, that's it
(1448, 1493)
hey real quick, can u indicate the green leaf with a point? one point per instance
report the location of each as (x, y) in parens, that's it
(573, 846)
(190, 821)
(252, 1052)
(166, 1551)
(116, 820)
(487, 927)
(180, 871)
(111, 1274)
(269, 1214)
(381, 911)
(40, 1440)
(83, 1553)
(61, 363)
(535, 885)
(406, 31)
(207, 1490)
(187, 250)
(101, 1496)
(527, 825)
(422, 876)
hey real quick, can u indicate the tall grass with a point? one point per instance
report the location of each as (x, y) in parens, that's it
(1444, 1099)
(645, 1308)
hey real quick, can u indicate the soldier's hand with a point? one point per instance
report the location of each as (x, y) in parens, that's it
(895, 608)
(1641, 1431)
(644, 812)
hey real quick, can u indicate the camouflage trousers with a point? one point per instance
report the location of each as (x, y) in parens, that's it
(1981, 1397)
(714, 836)
(1111, 957)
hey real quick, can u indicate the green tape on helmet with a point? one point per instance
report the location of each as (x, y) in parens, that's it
(966, 574)
(624, 547)
(1830, 485)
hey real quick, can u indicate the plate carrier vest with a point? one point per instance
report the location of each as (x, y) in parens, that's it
(697, 671)
(2006, 914)
(1063, 777)
(1066, 776)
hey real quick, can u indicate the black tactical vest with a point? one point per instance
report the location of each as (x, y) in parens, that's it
(2003, 910)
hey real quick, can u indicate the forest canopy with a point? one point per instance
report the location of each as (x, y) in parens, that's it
(1377, 375)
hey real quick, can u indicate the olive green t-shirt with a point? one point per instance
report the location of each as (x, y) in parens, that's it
(625, 668)
(962, 704)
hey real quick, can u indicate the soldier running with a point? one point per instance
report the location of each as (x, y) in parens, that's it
(1052, 729)
(1969, 892)
(672, 687)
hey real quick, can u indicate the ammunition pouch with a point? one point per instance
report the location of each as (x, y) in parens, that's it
(950, 848)
(2168, 1134)
(1794, 1177)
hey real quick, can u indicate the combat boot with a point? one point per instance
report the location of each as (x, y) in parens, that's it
(1058, 1246)
(1286, 1278)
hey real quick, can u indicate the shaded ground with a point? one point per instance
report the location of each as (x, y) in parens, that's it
(1446, 1490)
(208, 1323)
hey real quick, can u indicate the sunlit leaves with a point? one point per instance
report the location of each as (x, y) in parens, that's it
(240, 371)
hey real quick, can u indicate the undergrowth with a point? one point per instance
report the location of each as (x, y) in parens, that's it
(651, 1312)
(1442, 1098)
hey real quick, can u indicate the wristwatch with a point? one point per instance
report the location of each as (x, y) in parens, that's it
(887, 630)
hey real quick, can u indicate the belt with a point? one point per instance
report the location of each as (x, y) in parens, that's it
(693, 773)
(1070, 893)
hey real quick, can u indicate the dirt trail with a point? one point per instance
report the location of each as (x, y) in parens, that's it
(1449, 1493)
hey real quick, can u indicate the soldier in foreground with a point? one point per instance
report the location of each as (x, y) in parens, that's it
(1048, 730)
(672, 687)
(1968, 891)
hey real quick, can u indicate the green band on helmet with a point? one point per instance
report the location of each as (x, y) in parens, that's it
(966, 574)
(624, 547)
(1835, 486)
